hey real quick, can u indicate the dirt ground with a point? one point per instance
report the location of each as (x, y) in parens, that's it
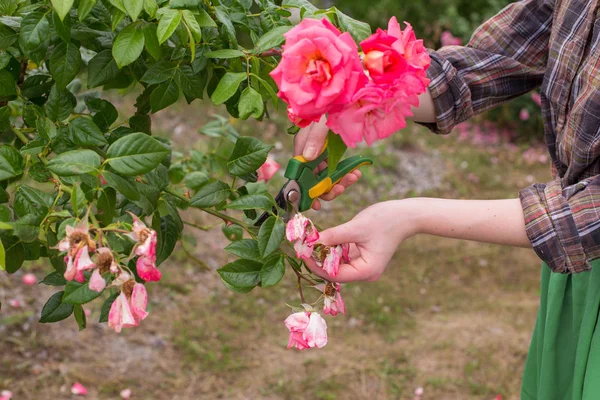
(452, 317)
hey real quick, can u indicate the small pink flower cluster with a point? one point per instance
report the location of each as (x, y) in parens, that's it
(129, 308)
(321, 73)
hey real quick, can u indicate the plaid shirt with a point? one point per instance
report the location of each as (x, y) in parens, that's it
(554, 44)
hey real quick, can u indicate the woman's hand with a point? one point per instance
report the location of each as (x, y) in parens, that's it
(309, 141)
(373, 234)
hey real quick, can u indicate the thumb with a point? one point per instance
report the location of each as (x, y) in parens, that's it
(341, 234)
(316, 140)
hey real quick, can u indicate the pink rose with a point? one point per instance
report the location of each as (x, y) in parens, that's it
(319, 70)
(145, 249)
(97, 282)
(334, 303)
(331, 263)
(392, 53)
(138, 302)
(448, 39)
(120, 315)
(307, 329)
(76, 265)
(78, 389)
(268, 170)
(29, 279)
(303, 233)
(524, 114)
(376, 111)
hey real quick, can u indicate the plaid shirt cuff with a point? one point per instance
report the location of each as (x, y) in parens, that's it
(451, 95)
(553, 229)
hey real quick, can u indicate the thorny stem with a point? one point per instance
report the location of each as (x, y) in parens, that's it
(218, 214)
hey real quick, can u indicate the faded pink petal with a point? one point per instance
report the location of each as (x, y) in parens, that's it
(97, 282)
(138, 302)
(120, 315)
(125, 394)
(15, 303)
(70, 271)
(332, 261)
(296, 228)
(334, 305)
(296, 324)
(82, 260)
(316, 331)
(346, 253)
(268, 170)
(303, 249)
(146, 269)
(29, 279)
(6, 395)
(78, 389)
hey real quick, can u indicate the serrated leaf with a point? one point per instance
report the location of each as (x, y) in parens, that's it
(84, 8)
(192, 24)
(128, 45)
(251, 103)
(271, 39)
(35, 29)
(133, 8)
(227, 87)
(11, 162)
(241, 275)
(136, 154)
(55, 309)
(151, 41)
(75, 162)
(164, 95)
(102, 69)
(124, 185)
(272, 272)
(226, 24)
(46, 128)
(159, 72)
(248, 155)
(78, 293)
(62, 27)
(54, 279)
(245, 248)
(270, 236)
(150, 7)
(250, 202)
(224, 54)
(211, 194)
(105, 113)
(204, 20)
(84, 132)
(65, 63)
(167, 236)
(192, 84)
(15, 253)
(60, 104)
(169, 21)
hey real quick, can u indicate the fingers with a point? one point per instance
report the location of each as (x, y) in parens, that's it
(300, 139)
(315, 140)
(316, 205)
(355, 271)
(341, 234)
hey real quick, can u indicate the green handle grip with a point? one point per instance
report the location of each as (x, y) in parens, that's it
(344, 167)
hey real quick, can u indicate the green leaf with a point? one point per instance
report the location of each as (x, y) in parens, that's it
(169, 21)
(241, 275)
(224, 54)
(136, 154)
(357, 29)
(211, 194)
(105, 113)
(62, 28)
(227, 87)
(167, 235)
(151, 8)
(128, 45)
(232, 232)
(106, 307)
(245, 248)
(159, 72)
(117, 17)
(271, 39)
(194, 180)
(85, 6)
(11, 163)
(55, 310)
(78, 293)
(78, 200)
(133, 8)
(79, 316)
(62, 7)
(60, 104)
(15, 253)
(307, 5)
(226, 24)
(75, 162)
(8, 87)
(250, 202)
(34, 147)
(54, 279)
(32, 204)
(102, 69)
(185, 4)
(270, 236)
(164, 95)
(151, 42)
(124, 185)
(84, 132)
(2, 257)
(46, 128)
(35, 29)
(335, 151)
(251, 103)
(192, 24)
(204, 20)
(248, 155)
(272, 272)
(191, 83)
(65, 63)
(118, 4)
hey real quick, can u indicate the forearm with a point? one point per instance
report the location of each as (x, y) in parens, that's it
(425, 112)
(489, 221)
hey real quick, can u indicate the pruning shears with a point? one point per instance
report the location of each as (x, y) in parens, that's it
(304, 185)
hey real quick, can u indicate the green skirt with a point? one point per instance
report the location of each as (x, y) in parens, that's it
(564, 356)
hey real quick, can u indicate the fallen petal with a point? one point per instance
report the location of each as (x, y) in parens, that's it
(29, 279)
(125, 393)
(78, 389)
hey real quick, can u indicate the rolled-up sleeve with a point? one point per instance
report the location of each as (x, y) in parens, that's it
(505, 58)
(563, 225)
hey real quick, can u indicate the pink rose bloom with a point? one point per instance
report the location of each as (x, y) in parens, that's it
(332, 261)
(268, 169)
(29, 279)
(376, 111)
(78, 389)
(334, 303)
(319, 70)
(306, 330)
(145, 249)
(120, 315)
(6, 395)
(392, 53)
(97, 282)
(303, 233)
(448, 39)
(138, 302)
(76, 265)
(524, 114)
(77, 243)
(537, 99)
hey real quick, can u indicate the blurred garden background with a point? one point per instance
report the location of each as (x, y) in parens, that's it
(453, 318)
